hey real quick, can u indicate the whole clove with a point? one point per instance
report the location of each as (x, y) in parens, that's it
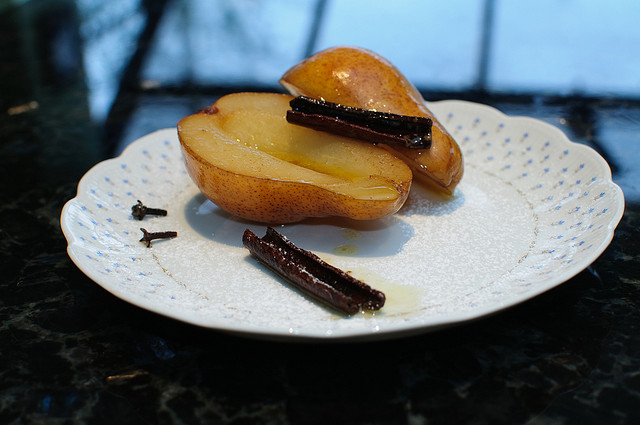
(364, 124)
(139, 211)
(150, 236)
(307, 272)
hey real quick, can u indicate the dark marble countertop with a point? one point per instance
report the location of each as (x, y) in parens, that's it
(72, 353)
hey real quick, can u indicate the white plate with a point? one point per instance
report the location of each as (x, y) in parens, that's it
(533, 210)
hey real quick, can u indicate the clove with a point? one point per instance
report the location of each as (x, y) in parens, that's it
(139, 210)
(150, 236)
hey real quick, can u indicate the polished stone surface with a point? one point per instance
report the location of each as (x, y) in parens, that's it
(72, 353)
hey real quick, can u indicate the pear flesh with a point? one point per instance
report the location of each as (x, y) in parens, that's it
(246, 158)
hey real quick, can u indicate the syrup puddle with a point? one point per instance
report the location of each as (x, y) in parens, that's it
(400, 299)
(346, 250)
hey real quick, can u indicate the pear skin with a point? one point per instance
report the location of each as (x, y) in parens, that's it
(358, 77)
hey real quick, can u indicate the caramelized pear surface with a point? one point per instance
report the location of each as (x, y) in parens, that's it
(246, 158)
(357, 77)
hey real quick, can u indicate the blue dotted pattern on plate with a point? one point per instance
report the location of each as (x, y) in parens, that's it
(106, 235)
(567, 185)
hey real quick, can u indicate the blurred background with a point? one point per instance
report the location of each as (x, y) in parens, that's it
(122, 68)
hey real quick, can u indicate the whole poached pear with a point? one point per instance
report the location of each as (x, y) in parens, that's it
(358, 77)
(246, 158)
